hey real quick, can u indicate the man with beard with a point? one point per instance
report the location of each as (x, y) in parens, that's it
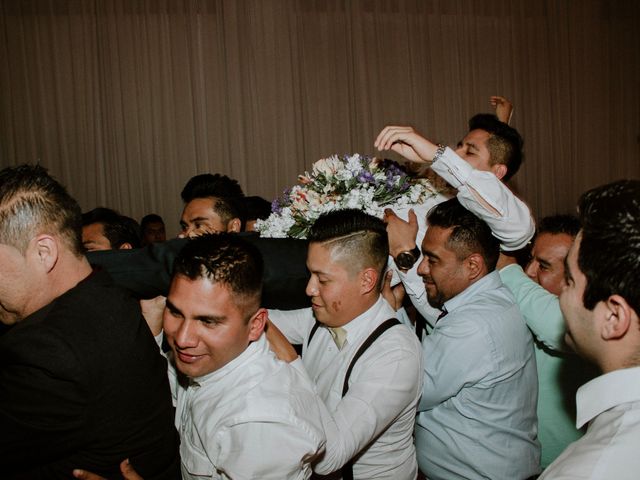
(477, 414)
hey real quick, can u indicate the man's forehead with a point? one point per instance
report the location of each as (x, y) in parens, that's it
(477, 137)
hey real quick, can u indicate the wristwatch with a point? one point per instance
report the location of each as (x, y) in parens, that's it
(406, 260)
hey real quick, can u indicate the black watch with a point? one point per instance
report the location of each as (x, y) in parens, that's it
(406, 260)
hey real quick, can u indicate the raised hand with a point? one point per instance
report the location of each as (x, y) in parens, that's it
(406, 142)
(504, 108)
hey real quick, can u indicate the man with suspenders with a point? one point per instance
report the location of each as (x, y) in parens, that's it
(365, 365)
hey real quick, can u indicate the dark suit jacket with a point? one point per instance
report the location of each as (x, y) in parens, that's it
(82, 385)
(147, 271)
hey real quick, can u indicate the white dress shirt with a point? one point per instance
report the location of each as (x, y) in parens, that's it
(375, 419)
(610, 449)
(477, 414)
(512, 224)
(256, 417)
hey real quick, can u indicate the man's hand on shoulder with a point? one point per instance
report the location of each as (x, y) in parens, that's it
(279, 343)
(152, 311)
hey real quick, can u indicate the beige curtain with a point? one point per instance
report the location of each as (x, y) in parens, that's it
(124, 100)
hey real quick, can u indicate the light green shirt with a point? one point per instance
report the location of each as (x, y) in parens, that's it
(560, 372)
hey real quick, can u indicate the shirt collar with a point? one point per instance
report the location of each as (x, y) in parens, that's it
(491, 281)
(605, 392)
(362, 323)
(254, 348)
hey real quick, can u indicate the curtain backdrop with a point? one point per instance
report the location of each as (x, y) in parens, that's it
(124, 100)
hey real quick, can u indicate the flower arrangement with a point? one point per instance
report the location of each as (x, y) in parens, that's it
(336, 183)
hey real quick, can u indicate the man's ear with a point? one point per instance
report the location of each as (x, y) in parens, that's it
(475, 266)
(234, 225)
(46, 251)
(125, 246)
(619, 317)
(257, 324)
(368, 280)
(499, 170)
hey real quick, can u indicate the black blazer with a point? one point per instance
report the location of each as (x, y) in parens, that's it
(147, 271)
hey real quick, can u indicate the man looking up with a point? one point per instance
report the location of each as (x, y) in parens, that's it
(81, 382)
(241, 413)
(368, 417)
(601, 305)
(490, 152)
(477, 414)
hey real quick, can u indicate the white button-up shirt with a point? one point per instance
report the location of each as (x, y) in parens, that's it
(256, 417)
(511, 222)
(610, 449)
(375, 419)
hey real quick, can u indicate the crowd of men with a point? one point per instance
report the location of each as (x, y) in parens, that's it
(494, 375)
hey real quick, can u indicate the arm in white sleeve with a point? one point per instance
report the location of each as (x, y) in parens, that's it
(540, 308)
(486, 196)
(268, 450)
(377, 395)
(294, 324)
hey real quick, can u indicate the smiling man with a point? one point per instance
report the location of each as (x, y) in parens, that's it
(240, 412)
(366, 366)
(477, 414)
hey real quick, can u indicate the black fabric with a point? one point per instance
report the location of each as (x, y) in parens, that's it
(146, 272)
(82, 385)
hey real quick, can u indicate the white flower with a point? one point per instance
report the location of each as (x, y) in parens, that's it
(327, 166)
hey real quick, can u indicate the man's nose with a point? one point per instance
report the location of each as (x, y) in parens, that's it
(185, 336)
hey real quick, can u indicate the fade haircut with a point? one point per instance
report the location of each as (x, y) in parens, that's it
(228, 208)
(609, 254)
(558, 224)
(356, 239)
(31, 203)
(504, 144)
(210, 185)
(469, 233)
(117, 228)
(228, 260)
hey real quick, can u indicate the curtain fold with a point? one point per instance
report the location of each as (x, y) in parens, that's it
(124, 100)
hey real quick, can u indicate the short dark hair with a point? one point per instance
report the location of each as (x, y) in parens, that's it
(469, 233)
(226, 259)
(118, 229)
(505, 143)
(210, 185)
(609, 254)
(256, 208)
(557, 224)
(359, 237)
(151, 218)
(228, 208)
(33, 202)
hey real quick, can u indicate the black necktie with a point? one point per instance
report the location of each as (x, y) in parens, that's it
(442, 313)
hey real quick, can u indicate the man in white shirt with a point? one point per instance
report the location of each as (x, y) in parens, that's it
(369, 426)
(601, 307)
(240, 412)
(490, 154)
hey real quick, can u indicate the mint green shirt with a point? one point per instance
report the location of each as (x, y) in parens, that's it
(560, 372)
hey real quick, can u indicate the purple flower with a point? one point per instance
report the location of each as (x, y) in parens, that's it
(365, 177)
